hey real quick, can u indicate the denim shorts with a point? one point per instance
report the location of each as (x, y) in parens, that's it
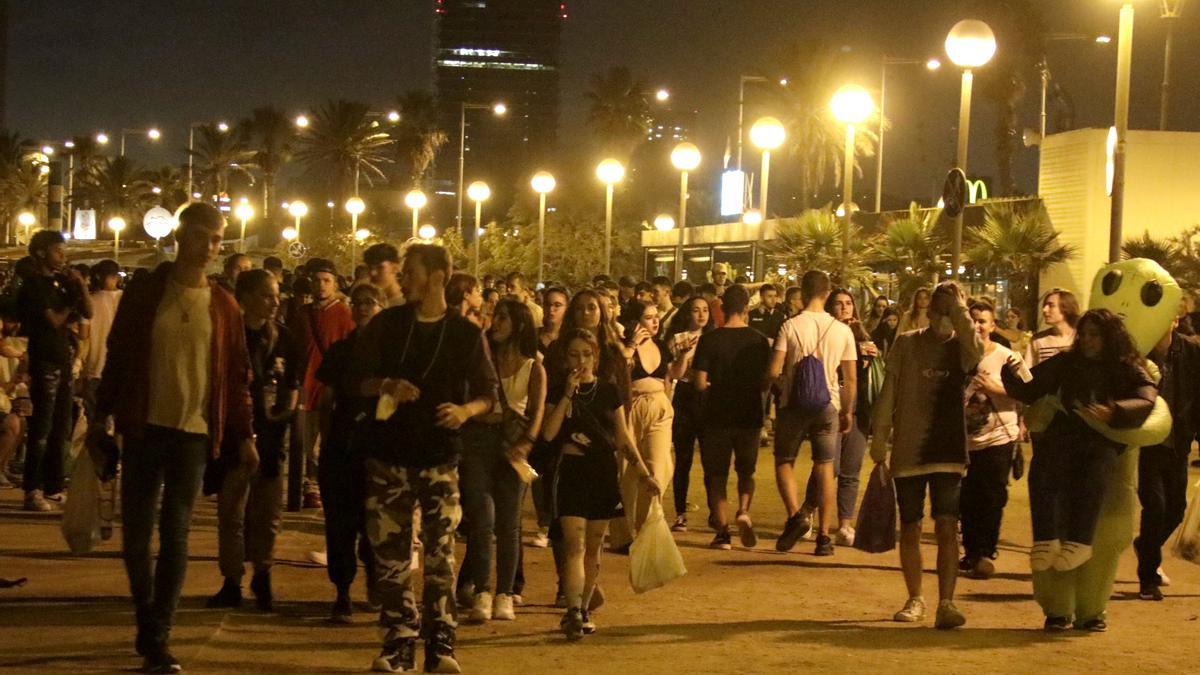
(944, 489)
(792, 427)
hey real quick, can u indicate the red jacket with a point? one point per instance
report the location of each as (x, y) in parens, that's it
(317, 328)
(125, 386)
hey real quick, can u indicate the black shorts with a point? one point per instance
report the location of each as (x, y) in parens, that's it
(719, 445)
(586, 487)
(944, 489)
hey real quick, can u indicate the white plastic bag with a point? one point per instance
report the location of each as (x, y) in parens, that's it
(654, 559)
(1187, 542)
(81, 514)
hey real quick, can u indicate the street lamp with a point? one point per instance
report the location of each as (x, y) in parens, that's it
(415, 200)
(102, 138)
(289, 233)
(301, 121)
(767, 134)
(610, 172)
(298, 210)
(498, 109)
(362, 235)
(543, 183)
(116, 224)
(752, 217)
(662, 95)
(931, 65)
(970, 44)
(152, 133)
(1121, 122)
(685, 157)
(664, 222)
(355, 207)
(851, 105)
(427, 232)
(244, 212)
(27, 220)
(479, 193)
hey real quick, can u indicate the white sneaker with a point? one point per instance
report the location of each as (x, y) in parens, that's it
(1072, 555)
(914, 610)
(502, 608)
(319, 557)
(844, 536)
(482, 609)
(1043, 554)
(518, 601)
(36, 502)
(541, 539)
(1164, 579)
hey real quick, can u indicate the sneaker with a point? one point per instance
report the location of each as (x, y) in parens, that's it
(1096, 625)
(1056, 624)
(312, 500)
(983, 568)
(824, 546)
(572, 624)
(1072, 555)
(914, 610)
(319, 558)
(1043, 554)
(948, 616)
(342, 611)
(518, 601)
(161, 661)
(844, 536)
(797, 525)
(439, 651)
(502, 607)
(746, 530)
(1150, 592)
(541, 539)
(1163, 579)
(967, 564)
(399, 656)
(481, 608)
(260, 586)
(680, 524)
(58, 498)
(722, 541)
(34, 501)
(229, 597)
(589, 626)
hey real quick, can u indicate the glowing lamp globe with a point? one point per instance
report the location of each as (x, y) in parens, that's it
(610, 171)
(26, 219)
(427, 232)
(289, 234)
(415, 199)
(154, 134)
(752, 217)
(116, 223)
(767, 133)
(500, 109)
(664, 222)
(542, 182)
(362, 234)
(852, 104)
(355, 206)
(479, 191)
(685, 157)
(244, 211)
(298, 209)
(970, 44)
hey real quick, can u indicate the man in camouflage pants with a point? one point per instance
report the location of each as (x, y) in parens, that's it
(434, 366)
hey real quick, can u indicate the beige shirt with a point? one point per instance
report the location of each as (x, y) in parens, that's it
(180, 355)
(104, 309)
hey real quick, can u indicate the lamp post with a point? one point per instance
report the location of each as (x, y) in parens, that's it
(1121, 122)
(498, 109)
(931, 65)
(298, 210)
(26, 220)
(427, 232)
(1171, 10)
(970, 44)
(543, 183)
(686, 158)
(415, 200)
(610, 172)
(851, 105)
(116, 224)
(767, 134)
(354, 206)
(479, 192)
(152, 133)
(244, 212)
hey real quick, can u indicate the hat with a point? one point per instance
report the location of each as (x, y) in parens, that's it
(317, 265)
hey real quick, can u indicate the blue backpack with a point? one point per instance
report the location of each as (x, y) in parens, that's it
(809, 394)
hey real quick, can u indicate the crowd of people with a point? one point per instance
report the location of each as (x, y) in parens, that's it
(426, 402)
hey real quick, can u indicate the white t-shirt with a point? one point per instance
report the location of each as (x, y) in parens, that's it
(180, 356)
(104, 309)
(799, 337)
(991, 420)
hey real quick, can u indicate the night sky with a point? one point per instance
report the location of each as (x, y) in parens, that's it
(83, 65)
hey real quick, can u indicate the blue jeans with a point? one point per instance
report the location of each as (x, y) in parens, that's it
(171, 463)
(491, 493)
(49, 427)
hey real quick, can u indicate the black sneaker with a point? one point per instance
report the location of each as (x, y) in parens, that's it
(723, 541)
(589, 626)
(824, 545)
(399, 656)
(572, 624)
(966, 564)
(343, 610)
(230, 596)
(439, 651)
(1056, 624)
(1093, 626)
(797, 525)
(260, 585)
(161, 661)
(1150, 592)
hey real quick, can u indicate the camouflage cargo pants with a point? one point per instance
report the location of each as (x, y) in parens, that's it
(392, 494)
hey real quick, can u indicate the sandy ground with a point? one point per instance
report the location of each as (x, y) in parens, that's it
(740, 611)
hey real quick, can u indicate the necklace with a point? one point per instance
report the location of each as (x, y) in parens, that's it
(185, 309)
(586, 397)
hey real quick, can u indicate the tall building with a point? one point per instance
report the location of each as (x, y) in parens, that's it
(491, 51)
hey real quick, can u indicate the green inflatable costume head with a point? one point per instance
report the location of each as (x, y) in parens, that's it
(1143, 294)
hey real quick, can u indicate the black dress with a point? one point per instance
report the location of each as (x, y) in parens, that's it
(586, 485)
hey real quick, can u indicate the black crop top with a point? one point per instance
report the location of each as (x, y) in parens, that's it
(660, 373)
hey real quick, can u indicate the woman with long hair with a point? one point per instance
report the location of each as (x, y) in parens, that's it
(1098, 380)
(878, 306)
(588, 419)
(917, 315)
(691, 321)
(884, 334)
(495, 445)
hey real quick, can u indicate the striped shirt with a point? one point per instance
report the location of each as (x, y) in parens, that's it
(1047, 343)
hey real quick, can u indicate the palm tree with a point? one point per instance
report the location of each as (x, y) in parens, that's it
(417, 136)
(1018, 244)
(269, 136)
(1177, 255)
(218, 155)
(813, 241)
(913, 248)
(13, 150)
(342, 143)
(618, 110)
(169, 186)
(114, 186)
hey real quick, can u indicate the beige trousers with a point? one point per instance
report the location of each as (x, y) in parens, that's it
(249, 518)
(650, 417)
